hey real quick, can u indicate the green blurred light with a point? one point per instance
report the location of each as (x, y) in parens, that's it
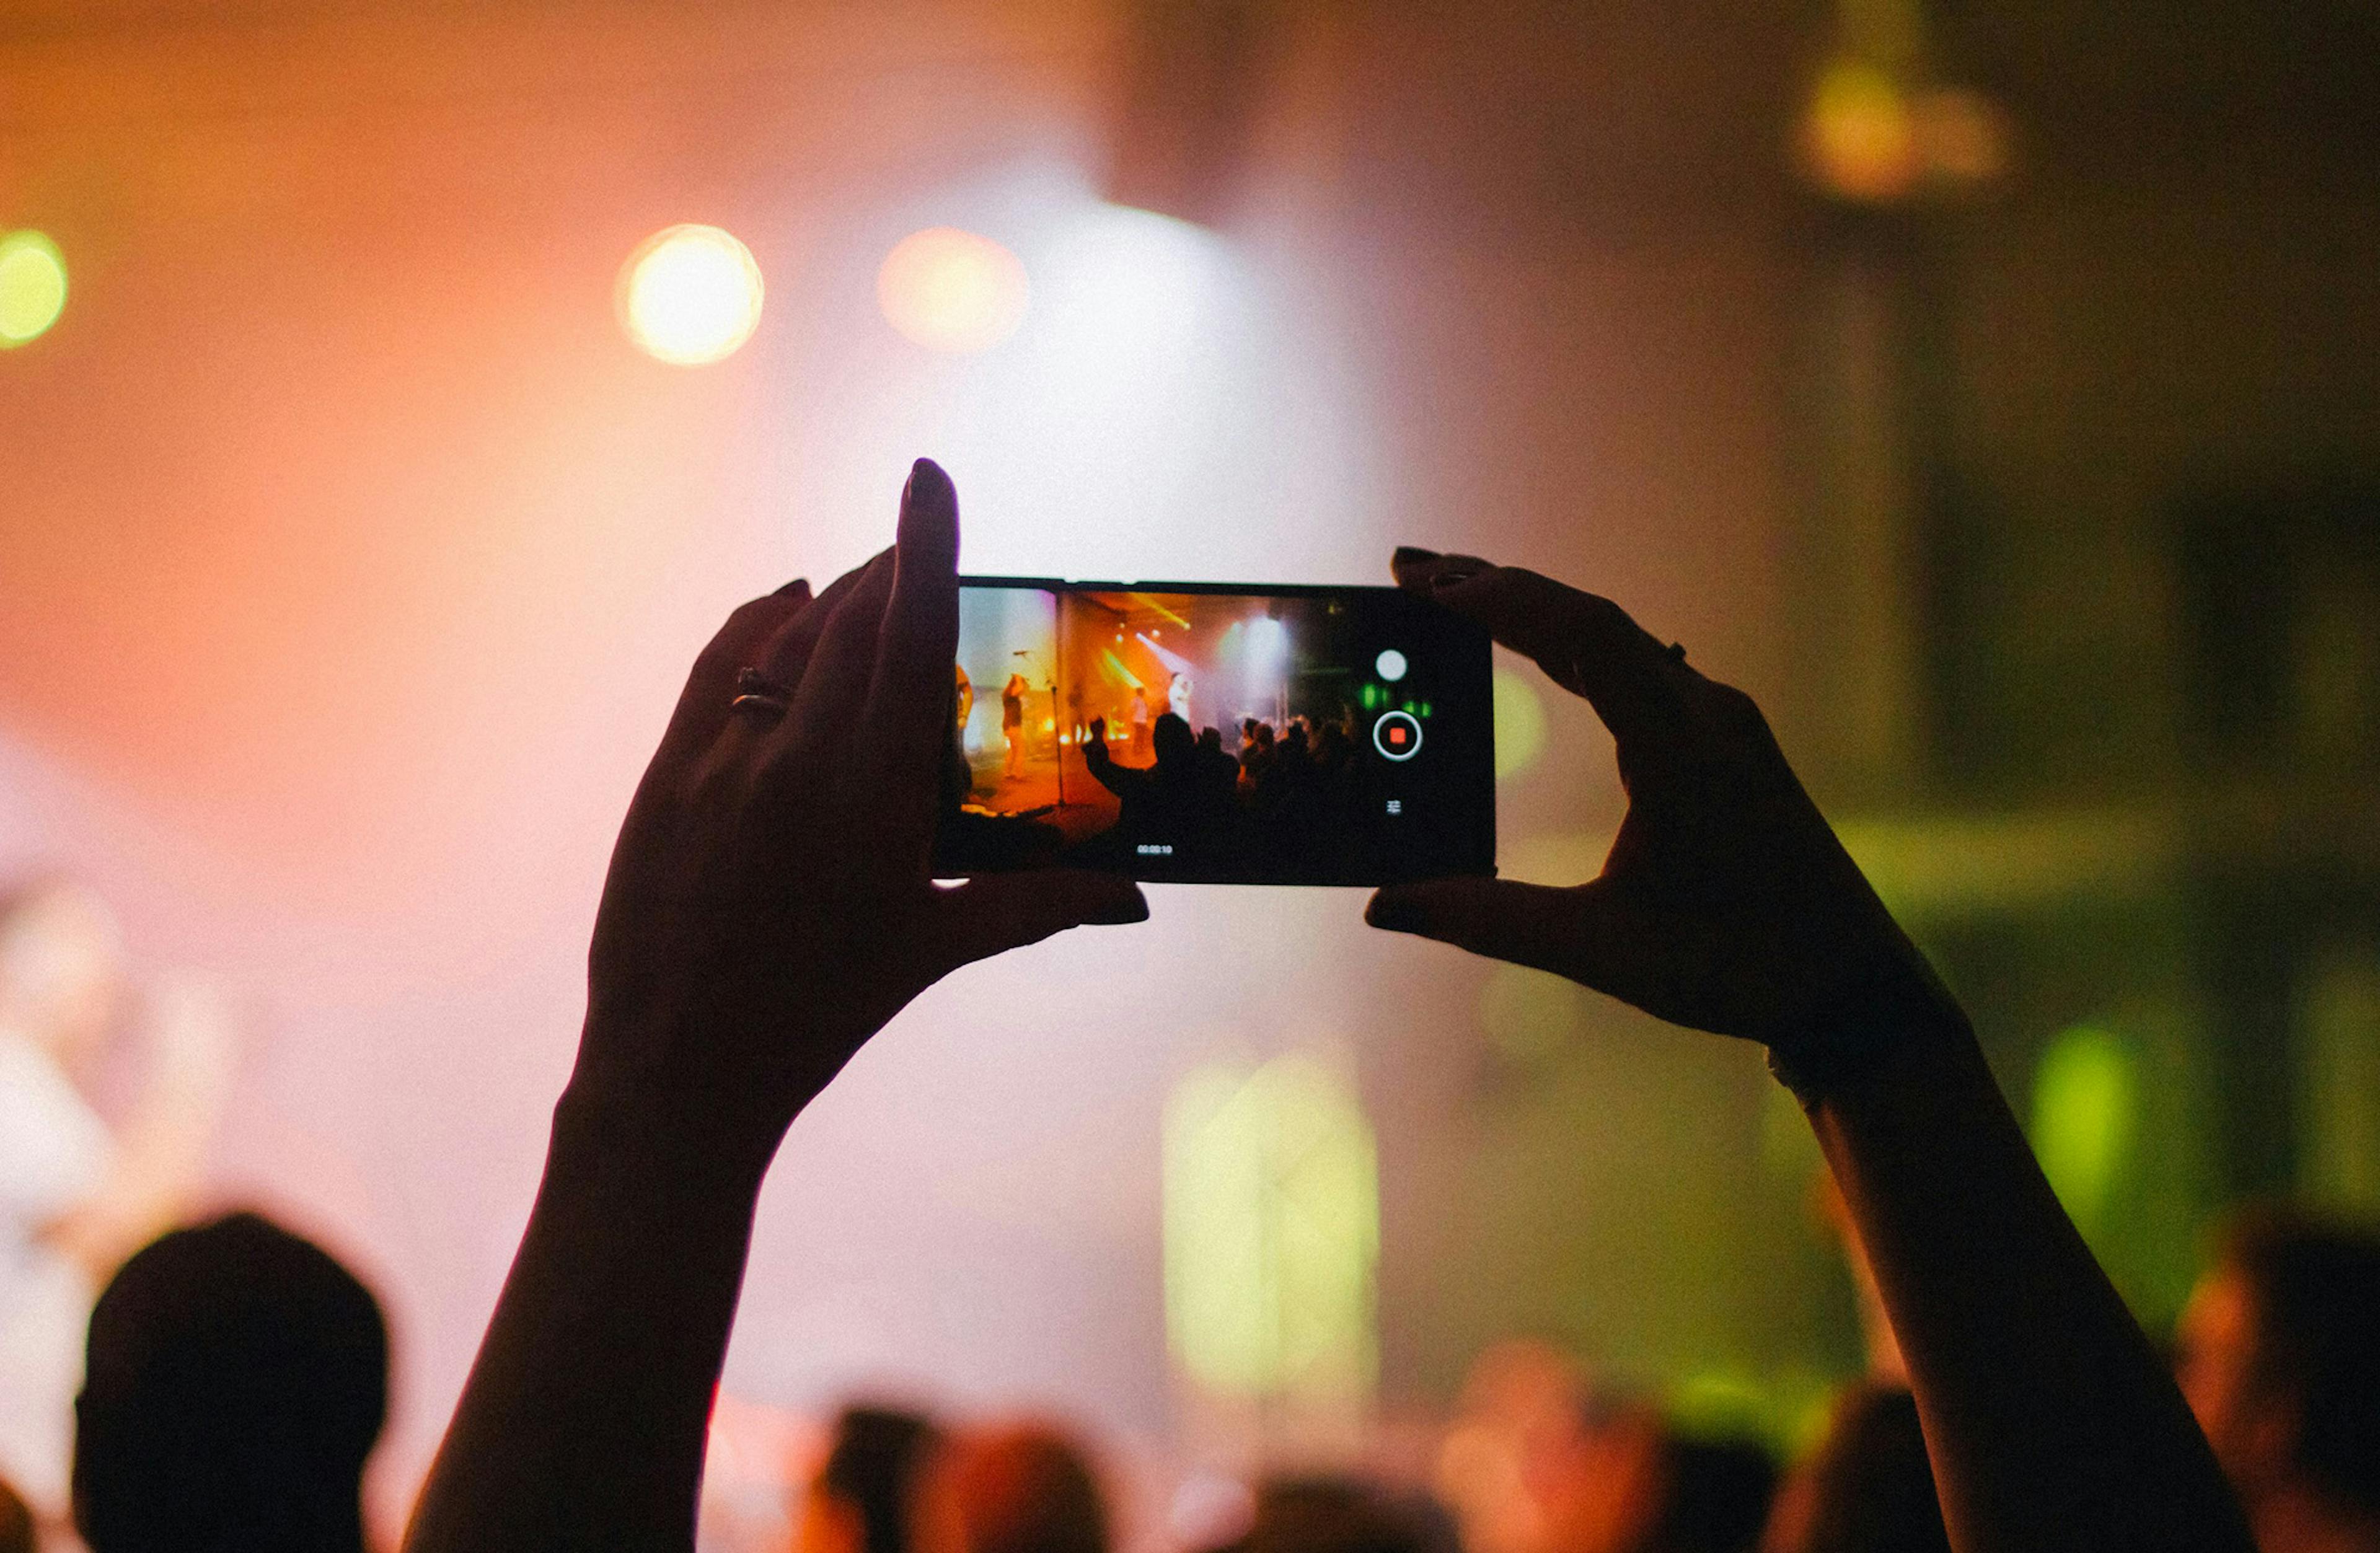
(1520, 724)
(1787, 1409)
(2085, 1100)
(1272, 1232)
(32, 287)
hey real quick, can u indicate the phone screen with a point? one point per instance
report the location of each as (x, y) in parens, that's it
(1216, 734)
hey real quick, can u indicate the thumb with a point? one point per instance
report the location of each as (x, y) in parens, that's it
(998, 912)
(1580, 932)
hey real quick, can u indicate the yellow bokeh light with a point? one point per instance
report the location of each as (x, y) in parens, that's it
(32, 287)
(1272, 1231)
(1520, 722)
(690, 295)
(950, 290)
(1861, 136)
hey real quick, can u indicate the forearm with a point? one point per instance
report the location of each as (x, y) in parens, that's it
(584, 1419)
(2051, 1421)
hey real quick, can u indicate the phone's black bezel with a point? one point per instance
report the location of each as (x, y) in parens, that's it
(1470, 698)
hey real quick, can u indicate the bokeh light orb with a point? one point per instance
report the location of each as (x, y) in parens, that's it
(1520, 722)
(690, 295)
(32, 287)
(952, 291)
(1860, 135)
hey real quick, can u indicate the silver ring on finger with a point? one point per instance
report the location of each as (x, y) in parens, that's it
(759, 696)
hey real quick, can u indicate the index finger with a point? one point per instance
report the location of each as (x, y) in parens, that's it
(909, 701)
(1587, 644)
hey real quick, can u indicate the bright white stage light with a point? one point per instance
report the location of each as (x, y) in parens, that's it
(690, 295)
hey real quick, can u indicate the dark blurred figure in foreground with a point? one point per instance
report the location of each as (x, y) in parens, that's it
(1341, 1515)
(1021, 1489)
(1714, 1496)
(237, 1379)
(1635, 1486)
(2279, 1356)
(861, 1500)
(16, 1523)
(1869, 1488)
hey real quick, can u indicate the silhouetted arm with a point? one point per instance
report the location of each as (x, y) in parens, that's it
(1727, 904)
(769, 909)
(1122, 781)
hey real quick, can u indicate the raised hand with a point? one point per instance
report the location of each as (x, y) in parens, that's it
(768, 905)
(769, 909)
(1726, 903)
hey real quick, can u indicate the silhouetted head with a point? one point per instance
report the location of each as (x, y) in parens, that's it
(237, 1379)
(1341, 1515)
(861, 1500)
(1868, 1489)
(1210, 741)
(1021, 1489)
(2279, 1355)
(16, 1523)
(1713, 1497)
(1172, 739)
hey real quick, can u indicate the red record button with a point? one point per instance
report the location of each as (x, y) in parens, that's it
(1397, 735)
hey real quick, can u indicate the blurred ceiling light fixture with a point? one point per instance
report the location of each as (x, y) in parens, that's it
(32, 287)
(1188, 104)
(1859, 135)
(690, 295)
(952, 291)
(1877, 129)
(1881, 129)
(1867, 140)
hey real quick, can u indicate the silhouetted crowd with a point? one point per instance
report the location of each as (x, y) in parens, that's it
(237, 1379)
(1297, 797)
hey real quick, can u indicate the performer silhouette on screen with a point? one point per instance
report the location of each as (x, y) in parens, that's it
(1141, 750)
(1011, 721)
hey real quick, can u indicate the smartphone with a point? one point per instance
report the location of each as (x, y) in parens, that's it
(1216, 734)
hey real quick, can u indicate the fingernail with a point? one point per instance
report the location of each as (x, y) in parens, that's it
(928, 475)
(1412, 556)
(1394, 913)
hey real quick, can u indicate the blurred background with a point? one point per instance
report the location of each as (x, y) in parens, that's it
(398, 394)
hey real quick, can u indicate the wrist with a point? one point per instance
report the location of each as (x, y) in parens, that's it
(1890, 1024)
(666, 1142)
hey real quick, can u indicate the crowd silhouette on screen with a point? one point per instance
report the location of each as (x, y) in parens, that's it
(1296, 796)
(770, 908)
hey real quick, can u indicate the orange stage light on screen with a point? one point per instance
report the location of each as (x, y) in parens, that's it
(690, 295)
(32, 287)
(953, 291)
